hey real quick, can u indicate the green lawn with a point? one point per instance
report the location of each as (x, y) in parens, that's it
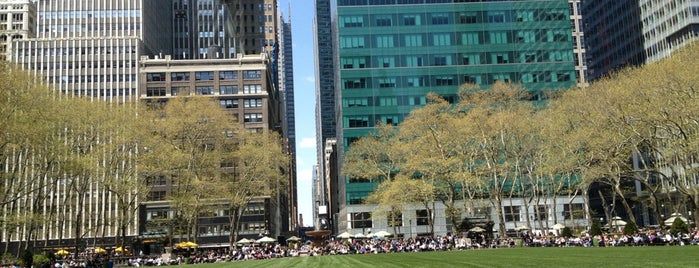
(660, 256)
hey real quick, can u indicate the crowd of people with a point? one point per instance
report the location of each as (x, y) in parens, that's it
(417, 244)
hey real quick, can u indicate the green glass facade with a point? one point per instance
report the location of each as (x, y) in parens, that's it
(393, 52)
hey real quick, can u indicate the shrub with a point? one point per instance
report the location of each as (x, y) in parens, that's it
(567, 232)
(679, 226)
(595, 228)
(630, 228)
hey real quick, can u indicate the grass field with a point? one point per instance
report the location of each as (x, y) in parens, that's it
(661, 256)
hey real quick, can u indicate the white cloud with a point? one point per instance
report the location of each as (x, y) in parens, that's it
(304, 175)
(311, 79)
(307, 143)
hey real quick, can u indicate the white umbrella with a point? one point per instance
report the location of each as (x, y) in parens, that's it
(382, 234)
(266, 239)
(293, 239)
(558, 226)
(359, 236)
(477, 229)
(244, 241)
(617, 221)
(674, 216)
(344, 235)
(521, 228)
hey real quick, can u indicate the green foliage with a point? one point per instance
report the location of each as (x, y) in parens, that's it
(8, 259)
(679, 226)
(595, 228)
(27, 258)
(567, 232)
(41, 259)
(630, 228)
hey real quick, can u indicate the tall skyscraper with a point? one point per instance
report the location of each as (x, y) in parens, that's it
(392, 53)
(91, 48)
(232, 26)
(286, 88)
(326, 117)
(17, 22)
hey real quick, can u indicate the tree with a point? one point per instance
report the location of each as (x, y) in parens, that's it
(189, 139)
(258, 170)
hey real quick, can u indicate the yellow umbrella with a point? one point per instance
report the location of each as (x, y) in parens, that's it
(62, 252)
(186, 244)
(120, 249)
(99, 250)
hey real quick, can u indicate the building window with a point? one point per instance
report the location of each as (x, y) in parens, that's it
(252, 118)
(205, 90)
(355, 83)
(442, 60)
(351, 21)
(204, 76)
(387, 62)
(228, 75)
(157, 215)
(229, 104)
(155, 77)
(355, 102)
(411, 20)
(156, 181)
(385, 41)
(468, 17)
(352, 42)
(252, 75)
(394, 219)
(413, 40)
(183, 76)
(496, 16)
(573, 211)
(357, 121)
(422, 217)
(390, 120)
(415, 82)
(252, 89)
(417, 101)
(440, 19)
(388, 101)
(441, 40)
(471, 38)
(157, 195)
(179, 91)
(255, 209)
(361, 219)
(414, 61)
(353, 63)
(498, 38)
(155, 92)
(444, 81)
(512, 213)
(382, 21)
(228, 89)
(542, 213)
(252, 103)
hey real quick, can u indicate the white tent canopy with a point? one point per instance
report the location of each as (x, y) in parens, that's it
(674, 216)
(344, 235)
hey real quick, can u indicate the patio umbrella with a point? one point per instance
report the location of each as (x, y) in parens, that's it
(293, 239)
(674, 216)
(266, 239)
(344, 235)
(62, 252)
(382, 234)
(360, 236)
(617, 221)
(558, 226)
(99, 250)
(120, 249)
(244, 241)
(521, 228)
(186, 244)
(477, 229)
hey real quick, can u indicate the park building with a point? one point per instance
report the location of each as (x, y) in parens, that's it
(391, 53)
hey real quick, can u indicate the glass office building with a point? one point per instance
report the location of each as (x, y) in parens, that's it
(393, 52)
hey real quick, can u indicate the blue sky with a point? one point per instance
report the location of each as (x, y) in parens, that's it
(302, 13)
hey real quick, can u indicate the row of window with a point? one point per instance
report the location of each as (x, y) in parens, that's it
(202, 90)
(91, 78)
(88, 27)
(203, 76)
(459, 17)
(456, 38)
(384, 101)
(87, 50)
(473, 58)
(102, 92)
(511, 213)
(77, 14)
(456, 79)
